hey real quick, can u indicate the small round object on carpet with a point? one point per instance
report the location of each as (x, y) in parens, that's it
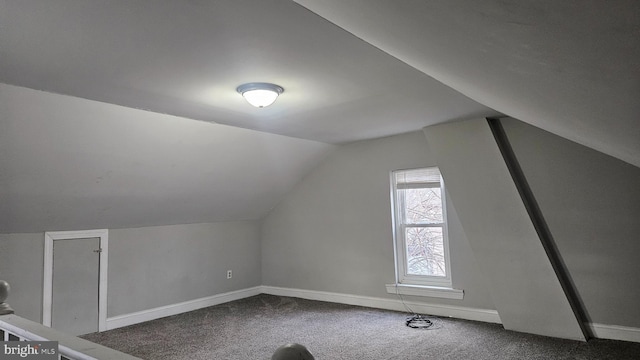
(292, 352)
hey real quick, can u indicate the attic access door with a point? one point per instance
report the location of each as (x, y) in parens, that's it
(75, 281)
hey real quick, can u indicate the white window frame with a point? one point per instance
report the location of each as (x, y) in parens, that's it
(402, 275)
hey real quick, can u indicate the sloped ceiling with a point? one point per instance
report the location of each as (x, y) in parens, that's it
(187, 58)
(569, 67)
(73, 164)
(351, 70)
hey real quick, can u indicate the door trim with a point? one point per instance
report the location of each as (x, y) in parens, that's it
(47, 292)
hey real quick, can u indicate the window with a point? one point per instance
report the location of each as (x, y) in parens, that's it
(421, 244)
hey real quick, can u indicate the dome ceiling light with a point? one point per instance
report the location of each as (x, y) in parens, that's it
(260, 94)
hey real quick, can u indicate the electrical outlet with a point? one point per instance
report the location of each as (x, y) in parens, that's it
(229, 274)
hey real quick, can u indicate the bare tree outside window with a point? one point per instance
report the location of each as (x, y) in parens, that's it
(425, 252)
(421, 224)
(424, 245)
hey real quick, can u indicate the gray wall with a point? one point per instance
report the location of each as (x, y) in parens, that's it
(591, 203)
(148, 267)
(503, 238)
(333, 231)
(21, 264)
(163, 265)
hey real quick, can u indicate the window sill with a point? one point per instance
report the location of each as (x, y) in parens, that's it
(421, 290)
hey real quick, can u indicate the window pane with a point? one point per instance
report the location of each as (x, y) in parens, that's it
(423, 206)
(425, 251)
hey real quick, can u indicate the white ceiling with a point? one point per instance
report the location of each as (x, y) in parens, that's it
(569, 67)
(73, 164)
(186, 58)
(351, 69)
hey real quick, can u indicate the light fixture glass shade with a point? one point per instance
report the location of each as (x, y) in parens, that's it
(260, 98)
(260, 94)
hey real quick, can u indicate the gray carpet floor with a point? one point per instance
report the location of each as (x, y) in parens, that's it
(252, 328)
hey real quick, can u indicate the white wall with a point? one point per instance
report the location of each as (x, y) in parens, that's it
(333, 231)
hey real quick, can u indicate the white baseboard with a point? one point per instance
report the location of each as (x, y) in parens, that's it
(600, 331)
(174, 309)
(615, 332)
(389, 304)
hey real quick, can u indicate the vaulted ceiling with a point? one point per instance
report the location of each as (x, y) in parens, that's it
(186, 58)
(569, 67)
(143, 99)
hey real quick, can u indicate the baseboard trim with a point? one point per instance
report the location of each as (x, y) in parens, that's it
(615, 332)
(600, 331)
(174, 309)
(459, 312)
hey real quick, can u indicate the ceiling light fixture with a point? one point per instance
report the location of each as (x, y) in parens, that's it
(260, 94)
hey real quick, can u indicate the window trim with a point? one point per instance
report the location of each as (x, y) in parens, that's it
(397, 203)
(421, 290)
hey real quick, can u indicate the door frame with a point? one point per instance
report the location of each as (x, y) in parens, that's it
(47, 291)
